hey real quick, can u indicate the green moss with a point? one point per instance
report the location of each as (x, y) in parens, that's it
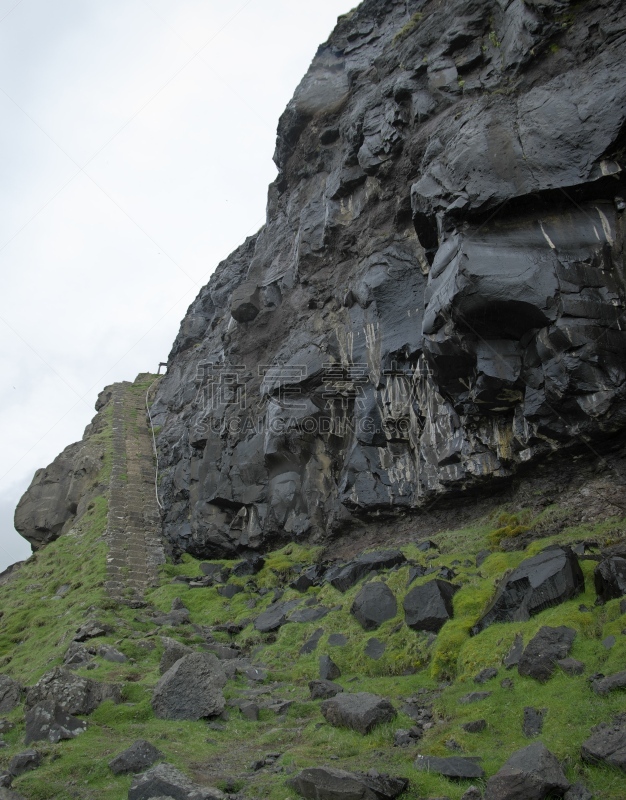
(410, 26)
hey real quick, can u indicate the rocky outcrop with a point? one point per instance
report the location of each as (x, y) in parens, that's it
(435, 303)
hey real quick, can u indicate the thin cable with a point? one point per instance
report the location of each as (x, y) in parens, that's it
(154, 447)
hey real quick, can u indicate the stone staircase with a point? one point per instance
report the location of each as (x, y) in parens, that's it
(134, 526)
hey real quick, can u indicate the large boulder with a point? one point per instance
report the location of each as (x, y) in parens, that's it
(343, 577)
(455, 767)
(191, 689)
(139, 756)
(532, 773)
(172, 652)
(165, 780)
(545, 580)
(550, 645)
(73, 693)
(10, 694)
(429, 607)
(607, 744)
(360, 711)
(373, 605)
(610, 578)
(48, 721)
(327, 783)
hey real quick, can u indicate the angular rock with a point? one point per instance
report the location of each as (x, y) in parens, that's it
(374, 604)
(139, 756)
(311, 643)
(312, 614)
(515, 653)
(10, 694)
(474, 697)
(361, 711)
(275, 616)
(532, 724)
(610, 578)
(429, 607)
(486, 675)
(74, 694)
(173, 651)
(544, 650)
(476, 726)
(311, 576)
(191, 689)
(344, 577)
(328, 669)
(545, 580)
(578, 792)
(607, 744)
(571, 666)
(92, 630)
(78, 655)
(251, 565)
(327, 783)
(229, 590)
(111, 654)
(455, 767)
(324, 690)
(250, 710)
(337, 640)
(48, 721)
(165, 780)
(24, 762)
(603, 686)
(531, 773)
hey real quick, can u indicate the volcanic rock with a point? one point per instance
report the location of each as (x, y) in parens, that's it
(531, 773)
(374, 604)
(545, 580)
(610, 578)
(48, 721)
(191, 689)
(544, 650)
(429, 606)
(607, 744)
(139, 756)
(326, 783)
(361, 711)
(72, 693)
(10, 694)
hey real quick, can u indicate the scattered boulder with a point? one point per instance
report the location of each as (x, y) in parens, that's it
(375, 649)
(310, 646)
(311, 576)
(607, 744)
(511, 659)
(473, 793)
(345, 576)
(328, 669)
(92, 630)
(544, 650)
(474, 697)
(531, 773)
(165, 780)
(374, 604)
(191, 689)
(486, 675)
(73, 693)
(139, 756)
(178, 615)
(578, 792)
(275, 616)
(337, 640)
(455, 767)
(48, 721)
(324, 690)
(78, 655)
(326, 783)
(610, 683)
(111, 654)
(256, 674)
(312, 614)
(532, 724)
(172, 653)
(251, 565)
(543, 581)
(10, 694)
(361, 711)
(24, 762)
(610, 578)
(476, 726)
(429, 607)
(250, 710)
(571, 666)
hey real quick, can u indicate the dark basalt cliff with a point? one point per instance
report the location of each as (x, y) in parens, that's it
(436, 301)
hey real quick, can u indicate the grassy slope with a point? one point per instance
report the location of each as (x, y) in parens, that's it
(35, 631)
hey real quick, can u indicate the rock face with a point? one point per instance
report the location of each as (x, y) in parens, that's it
(72, 693)
(532, 773)
(373, 605)
(191, 689)
(545, 580)
(326, 783)
(435, 300)
(361, 711)
(10, 694)
(429, 607)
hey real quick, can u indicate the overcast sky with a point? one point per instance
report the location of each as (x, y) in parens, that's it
(136, 144)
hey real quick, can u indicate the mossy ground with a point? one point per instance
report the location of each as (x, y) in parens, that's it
(35, 631)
